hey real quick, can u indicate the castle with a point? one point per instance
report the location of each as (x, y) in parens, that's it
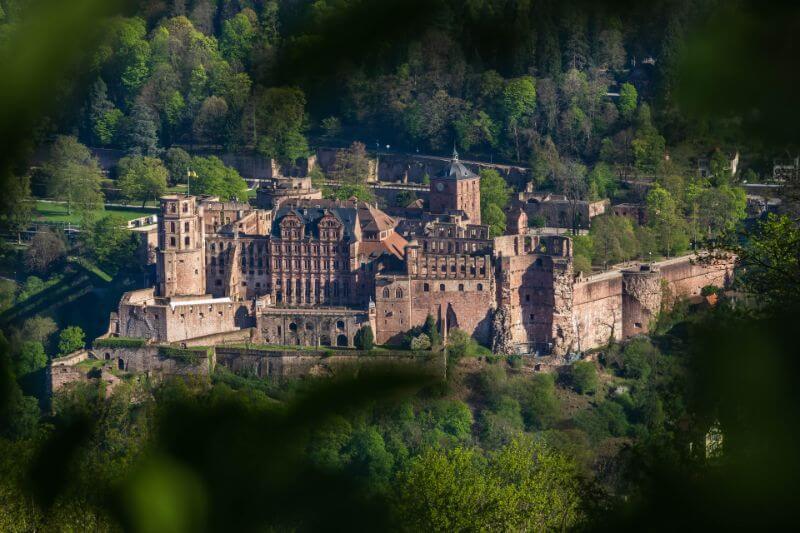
(296, 269)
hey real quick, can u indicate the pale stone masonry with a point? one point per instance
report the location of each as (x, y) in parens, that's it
(299, 270)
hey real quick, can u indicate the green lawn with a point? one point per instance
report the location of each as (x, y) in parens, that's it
(57, 212)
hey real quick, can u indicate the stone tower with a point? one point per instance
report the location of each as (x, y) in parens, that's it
(641, 299)
(456, 189)
(181, 257)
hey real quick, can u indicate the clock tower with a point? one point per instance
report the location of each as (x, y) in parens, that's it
(456, 189)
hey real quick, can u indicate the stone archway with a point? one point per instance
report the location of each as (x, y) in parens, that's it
(324, 340)
(341, 341)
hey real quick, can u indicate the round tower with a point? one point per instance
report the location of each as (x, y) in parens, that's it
(641, 299)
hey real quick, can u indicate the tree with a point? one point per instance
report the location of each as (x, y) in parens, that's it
(238, 36)
(771, 261)
(460, 344)
(141, 131)
(73, 175)
(495, 218)
(70, 340)
(178, 162)
(613, 239)
(104, 117)
(45, 251)
(525, 486)
(432, 331)
(351, 171)
(31, 357)
(210, 123)
(331, 127)
(110, 243)
(16, 206)
(141, 178)
(216, 179)
(276, 121)
(663, 218)
(583, 375)
(495, 195)
(571, 182)
(364, 339)
(628, 100)
(519, 103)
(540, 406)
(720, 209)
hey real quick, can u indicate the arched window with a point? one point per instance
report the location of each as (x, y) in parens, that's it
(426, 287)
(480, 286)
(386, 293)
(399, 293)
(441, 287)
(340, 324)
(292, 327)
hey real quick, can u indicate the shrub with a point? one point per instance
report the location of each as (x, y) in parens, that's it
(364, 339)
(70, 339)
(119, 342)
(537, 396)
(583, 375)
(421, 342)
(637, 358)
(461, 344)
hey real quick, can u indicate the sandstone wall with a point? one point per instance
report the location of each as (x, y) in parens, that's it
(310, 327)
(597, 310)
(686, 276)
(281, 365)
(641, 299)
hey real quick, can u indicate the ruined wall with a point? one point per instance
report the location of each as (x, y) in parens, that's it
(281, 365)
(686, 276)
(597, 310)
(150, 360)
(310, 327)
(199, 320)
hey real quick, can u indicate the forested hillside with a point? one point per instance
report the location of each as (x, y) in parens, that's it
(521, 81)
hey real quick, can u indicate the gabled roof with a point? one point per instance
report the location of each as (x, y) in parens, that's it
(310, 217)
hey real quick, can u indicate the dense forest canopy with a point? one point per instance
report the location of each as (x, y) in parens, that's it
(501, 78)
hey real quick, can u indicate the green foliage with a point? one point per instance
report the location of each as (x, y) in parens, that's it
(364, 339)
(523, 486)
(119, 342)
(495, 195)
(537, 396)
(638, 358)
(141, 178)
(351, 171)
(420, 342)
(583, 377)
(613, 240)
(110, 243)
(214, 178)
(31, 358)
(668, 226)
(73, 175)
(772, 265)
(628, 100)
(432, 331)
(178, 162)
(461, 344)
(280, 121)
(70, 339)
(46, 251)
(608, 420)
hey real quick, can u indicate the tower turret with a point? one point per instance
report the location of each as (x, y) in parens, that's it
(181, 252)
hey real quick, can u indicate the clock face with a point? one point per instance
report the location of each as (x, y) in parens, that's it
(440, 186)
